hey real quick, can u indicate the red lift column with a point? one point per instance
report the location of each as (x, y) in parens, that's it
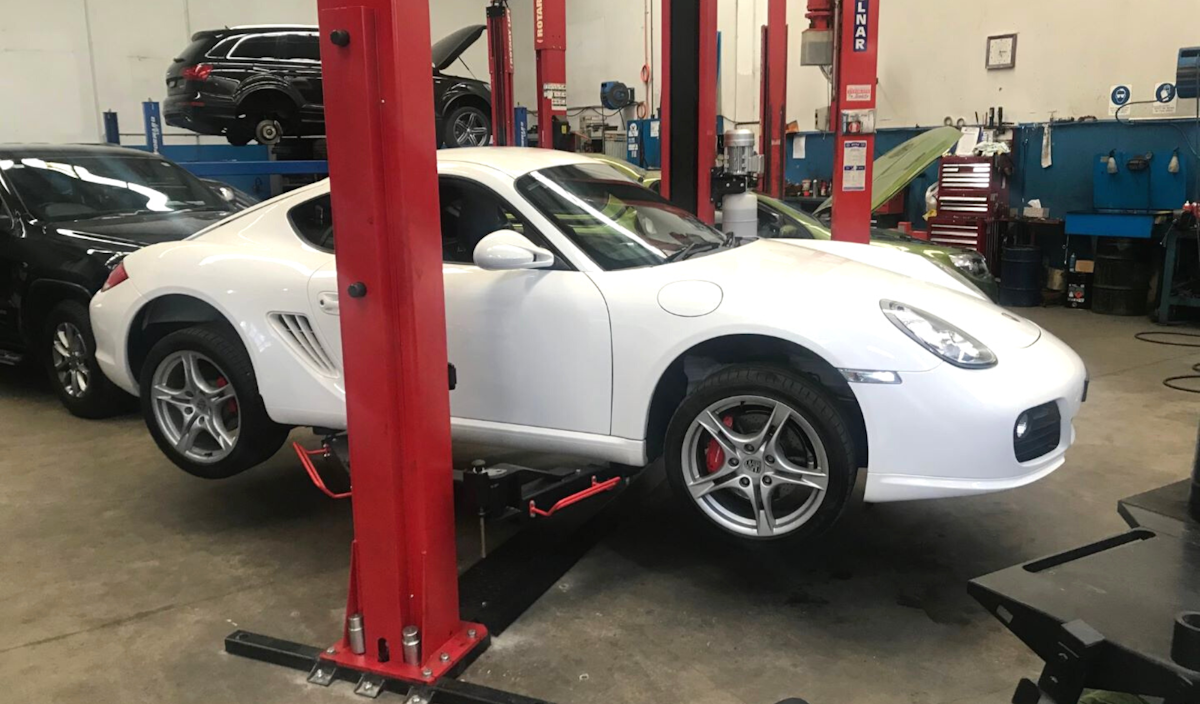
(550, 45)
(854, 120)
(773, 99)
(500, 64)
(382, 162)
(689, 104)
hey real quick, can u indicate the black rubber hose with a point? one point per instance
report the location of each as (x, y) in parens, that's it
(1171, 382)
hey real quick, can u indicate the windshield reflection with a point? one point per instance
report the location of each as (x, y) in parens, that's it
(87, 186)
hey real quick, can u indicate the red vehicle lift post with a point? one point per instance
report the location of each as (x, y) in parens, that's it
(689, 104)
(382, 161)
(500, 65)
(550, 46)
(853, 115)
(773, 99)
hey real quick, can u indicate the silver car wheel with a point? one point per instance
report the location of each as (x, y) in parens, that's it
(195, 407)
(755, 466)
(68, 352)
(470, 130)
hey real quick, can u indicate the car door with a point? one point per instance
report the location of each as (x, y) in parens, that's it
(532, 348)
(10, 264)
(301, 54)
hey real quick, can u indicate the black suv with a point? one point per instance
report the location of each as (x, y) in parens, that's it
(264, 82)
(67, 215)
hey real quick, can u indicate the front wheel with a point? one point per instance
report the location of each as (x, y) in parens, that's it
(468, 126)
(201, 403)
(69, 355)
(760, 454)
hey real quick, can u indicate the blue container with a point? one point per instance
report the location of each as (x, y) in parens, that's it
(643, 144)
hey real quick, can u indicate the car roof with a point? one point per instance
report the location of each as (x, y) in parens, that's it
(18, 151)
(513, 161)
(222, 32)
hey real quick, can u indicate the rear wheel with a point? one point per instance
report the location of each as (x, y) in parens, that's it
(69, 356)
(760, 454)
(239, 135)
(268, 131)
(201, 403)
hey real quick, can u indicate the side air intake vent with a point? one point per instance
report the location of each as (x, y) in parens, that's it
(298, 332)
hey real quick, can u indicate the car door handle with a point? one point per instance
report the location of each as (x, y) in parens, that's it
(328, 303)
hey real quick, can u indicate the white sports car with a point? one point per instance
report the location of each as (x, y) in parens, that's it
(587, 316)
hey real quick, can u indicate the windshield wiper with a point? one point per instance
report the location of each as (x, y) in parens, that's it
(689, 250)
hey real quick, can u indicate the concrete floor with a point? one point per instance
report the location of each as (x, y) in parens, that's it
(119, 575)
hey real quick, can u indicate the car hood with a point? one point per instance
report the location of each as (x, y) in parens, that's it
(447, 49)
(139, 230)
(842, 285)
(896, 169)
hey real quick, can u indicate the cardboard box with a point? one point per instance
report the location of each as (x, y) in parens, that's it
(1036, 212)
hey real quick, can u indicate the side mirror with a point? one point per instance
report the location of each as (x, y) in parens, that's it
(505, 250)
(227, 194)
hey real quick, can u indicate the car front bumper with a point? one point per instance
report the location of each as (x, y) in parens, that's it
(950, 431)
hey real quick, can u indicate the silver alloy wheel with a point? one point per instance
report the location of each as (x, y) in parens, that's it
(470, 130)
(195, 407)
(771, 470)
(68, 353)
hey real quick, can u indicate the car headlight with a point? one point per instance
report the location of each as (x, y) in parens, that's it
(939, 337)
(972, 263)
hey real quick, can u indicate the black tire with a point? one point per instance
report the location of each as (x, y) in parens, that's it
(806, 399)
(258, 437)
(96, 397)
(475, 116)
(239, 135)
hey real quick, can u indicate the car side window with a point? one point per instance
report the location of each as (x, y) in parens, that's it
(313, 222)
(774, 224)
(471, 212)
(257, 46)
(301, 47)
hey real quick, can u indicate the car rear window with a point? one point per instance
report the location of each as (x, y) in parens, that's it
(196, 50)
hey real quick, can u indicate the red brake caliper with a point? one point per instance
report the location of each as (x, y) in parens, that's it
(714, 456)
(232, 405)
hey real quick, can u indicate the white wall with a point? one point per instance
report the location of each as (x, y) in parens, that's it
(64, 62)
(1069, 54)
(931, 62)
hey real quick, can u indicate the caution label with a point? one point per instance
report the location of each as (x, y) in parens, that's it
(556, 93)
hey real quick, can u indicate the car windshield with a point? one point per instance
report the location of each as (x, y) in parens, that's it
(85, 186)
(614, 220)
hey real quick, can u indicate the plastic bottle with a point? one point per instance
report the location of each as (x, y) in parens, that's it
(1072, 265)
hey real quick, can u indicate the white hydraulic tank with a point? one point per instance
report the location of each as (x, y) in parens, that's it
(739, 215)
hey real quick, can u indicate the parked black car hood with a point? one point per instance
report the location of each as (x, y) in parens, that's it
(447, 49)
(141, 229)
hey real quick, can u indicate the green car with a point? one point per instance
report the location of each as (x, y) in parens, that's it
(778, 219)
